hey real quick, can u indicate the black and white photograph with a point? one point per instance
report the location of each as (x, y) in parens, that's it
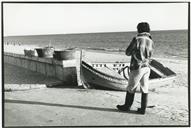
(95, 64)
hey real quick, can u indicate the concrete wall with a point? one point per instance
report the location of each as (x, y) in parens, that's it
(67, 70)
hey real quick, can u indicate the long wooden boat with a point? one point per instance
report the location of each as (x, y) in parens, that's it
(107, 78)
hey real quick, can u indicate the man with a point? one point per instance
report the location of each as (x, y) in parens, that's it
(140, 50)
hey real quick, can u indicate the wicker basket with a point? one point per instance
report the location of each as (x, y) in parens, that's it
(46, 52)
(29, 53)
(39, 52)
(64, 55)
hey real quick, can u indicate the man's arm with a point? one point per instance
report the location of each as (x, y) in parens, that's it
(152, 49)
(131, 47)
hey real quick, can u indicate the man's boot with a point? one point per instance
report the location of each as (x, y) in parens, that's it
(144, 101)
(128, 102)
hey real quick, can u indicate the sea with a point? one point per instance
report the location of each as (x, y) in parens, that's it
(167, 44)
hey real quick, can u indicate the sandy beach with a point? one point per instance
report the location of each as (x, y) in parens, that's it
(73, 106)
(64, 62)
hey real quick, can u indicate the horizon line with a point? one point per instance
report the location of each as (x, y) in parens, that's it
(91, 32)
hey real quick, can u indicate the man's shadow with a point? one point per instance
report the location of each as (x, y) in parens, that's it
(63, 105)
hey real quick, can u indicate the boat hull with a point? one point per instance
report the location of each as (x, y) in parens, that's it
(95, 77)
(160, 75)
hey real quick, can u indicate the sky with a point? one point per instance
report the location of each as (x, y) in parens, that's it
(35, 19)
